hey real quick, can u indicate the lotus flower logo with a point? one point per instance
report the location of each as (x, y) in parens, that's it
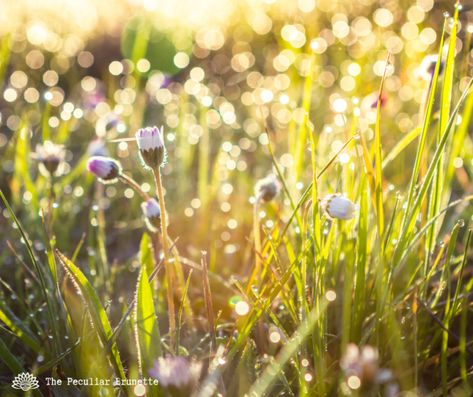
(25, 381)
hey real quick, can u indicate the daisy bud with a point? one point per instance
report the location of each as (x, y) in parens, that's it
(339, 207)
(50, 157)
(177, 375)
(152, 214)
(267, 188)
(104, 168)
(427, 67)
(151, 144)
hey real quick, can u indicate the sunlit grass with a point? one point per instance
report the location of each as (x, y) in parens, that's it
(307, 234)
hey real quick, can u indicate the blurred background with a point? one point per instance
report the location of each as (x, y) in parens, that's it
(88, 74)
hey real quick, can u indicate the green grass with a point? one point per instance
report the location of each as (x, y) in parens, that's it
(87, 291)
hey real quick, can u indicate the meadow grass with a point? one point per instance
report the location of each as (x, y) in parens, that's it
(298, 303)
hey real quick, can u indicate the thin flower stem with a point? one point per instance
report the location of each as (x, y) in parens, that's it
(134, 185)
(167, 266)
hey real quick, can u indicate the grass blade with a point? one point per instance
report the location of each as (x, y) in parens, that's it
(146, 325)
(96, 311)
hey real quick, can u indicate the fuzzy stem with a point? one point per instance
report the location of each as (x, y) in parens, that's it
(134, 185)
(167, 266)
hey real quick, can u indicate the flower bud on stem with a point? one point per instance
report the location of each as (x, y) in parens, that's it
(167, 266)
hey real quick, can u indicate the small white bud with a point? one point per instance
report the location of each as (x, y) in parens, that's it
(150, 141)
(339, 207)
(50, 157)
(152, 214)
(104, 168)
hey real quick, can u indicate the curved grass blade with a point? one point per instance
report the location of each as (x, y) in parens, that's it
(10, 359)
(146, 325)
(273, 370)
(96, 311)
(19, 329)
(51, 308)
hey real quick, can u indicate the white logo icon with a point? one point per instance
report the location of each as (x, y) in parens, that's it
(25, 381)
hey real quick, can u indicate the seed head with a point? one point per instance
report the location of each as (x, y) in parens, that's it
(106, 169)
(267, 188)
(150, 141)
(178, 375)
(50, 157)
(337, 206)
(152, 214)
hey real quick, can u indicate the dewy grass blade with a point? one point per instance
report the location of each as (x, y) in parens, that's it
(273, 370)
(44, 280)
(424, 129)
(19, 329)
(10, 359)
(413, 209)
(379, 157)
(96, 310)
(147, 329)
(400, 146)
(437, 191)
(306, 104)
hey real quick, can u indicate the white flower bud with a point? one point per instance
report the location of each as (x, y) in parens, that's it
(50, 157)
(104, 168)
(152, 214)
(339, 207)
(150, 141)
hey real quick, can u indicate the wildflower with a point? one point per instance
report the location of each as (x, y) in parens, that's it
(427, 67)
(50, 157)
(104, 168)
(178, 375)
(151, 144)
(267, 188)
(339, 207)
(152, 214)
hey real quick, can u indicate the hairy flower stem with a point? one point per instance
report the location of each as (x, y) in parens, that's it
(134, 185)
(167, 266)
